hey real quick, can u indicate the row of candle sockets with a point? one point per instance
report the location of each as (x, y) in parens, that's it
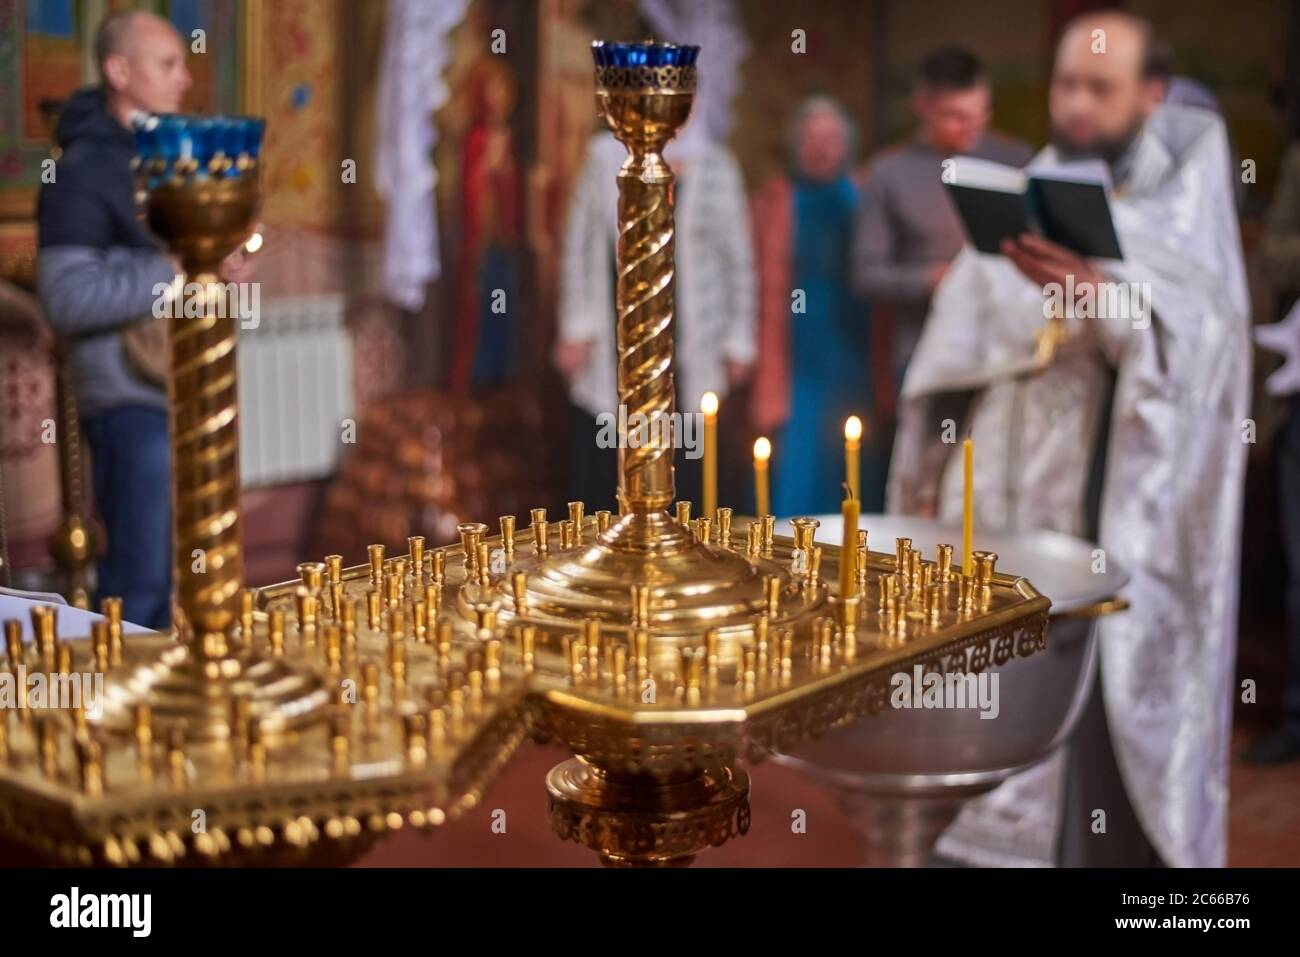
(849, 509)
(463, 695)
(920, 592)
(56, 655)
(914, 582)
(478, 559)
(169, 145)
(914, 594)
(245, 755)
(56, 658)
(425, 732)
(450, 705)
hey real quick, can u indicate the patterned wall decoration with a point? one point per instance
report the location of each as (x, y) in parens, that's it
(45, 54)
(301, 52)
(775, 79)
(51, 60)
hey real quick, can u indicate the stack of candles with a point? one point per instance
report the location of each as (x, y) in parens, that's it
(850, 507)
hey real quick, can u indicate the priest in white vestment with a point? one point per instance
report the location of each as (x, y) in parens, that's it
(1131, 428)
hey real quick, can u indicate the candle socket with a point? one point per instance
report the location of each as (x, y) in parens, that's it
(724, 527)
(576, 517)
(508, 536)
(540, 531)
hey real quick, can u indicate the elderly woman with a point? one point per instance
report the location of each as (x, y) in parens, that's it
(715, 317)
(813, 369)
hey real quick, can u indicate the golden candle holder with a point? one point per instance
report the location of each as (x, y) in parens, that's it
(203, 216)
(664, 653)
(240, 737)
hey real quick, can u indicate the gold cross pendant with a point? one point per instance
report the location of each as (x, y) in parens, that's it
(1048, 339)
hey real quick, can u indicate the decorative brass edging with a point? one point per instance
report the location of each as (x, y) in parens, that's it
(647, 79)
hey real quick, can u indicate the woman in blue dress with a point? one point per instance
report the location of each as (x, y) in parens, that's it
(813, 369)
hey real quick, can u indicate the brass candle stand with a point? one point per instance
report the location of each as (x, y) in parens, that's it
(203, 215)
(238, 738)
(664, 652)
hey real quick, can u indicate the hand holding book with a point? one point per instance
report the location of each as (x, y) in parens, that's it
(1044, 262)
(1066, 203)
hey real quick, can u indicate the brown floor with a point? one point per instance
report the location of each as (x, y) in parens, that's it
(1264, 815)
(1264, 824)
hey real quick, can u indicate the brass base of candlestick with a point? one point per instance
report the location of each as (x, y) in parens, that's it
(643, 824)
(691, 587)
(206, 696)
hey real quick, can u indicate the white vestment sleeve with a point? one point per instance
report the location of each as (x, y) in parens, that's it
(949, 351)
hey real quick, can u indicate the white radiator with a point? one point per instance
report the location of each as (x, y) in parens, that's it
(295, 390)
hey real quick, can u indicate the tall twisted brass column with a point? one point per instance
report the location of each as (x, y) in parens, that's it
(686, 583)
(645, 321)
(205, 474)
(215, 679)
(649, 578)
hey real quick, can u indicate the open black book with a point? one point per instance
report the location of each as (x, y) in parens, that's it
(1066, 204)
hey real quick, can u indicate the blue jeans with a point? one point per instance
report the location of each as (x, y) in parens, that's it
(129, 453)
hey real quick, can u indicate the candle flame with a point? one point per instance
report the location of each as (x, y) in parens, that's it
(853, 428)
(709, 403)
(762, 449)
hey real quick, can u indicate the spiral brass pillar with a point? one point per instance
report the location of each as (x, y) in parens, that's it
(216, 683)
(687, 584)
(645, 323)
(205, 473)
(648, 579)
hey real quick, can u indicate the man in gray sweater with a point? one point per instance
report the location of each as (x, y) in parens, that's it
(98, 270)
(907, 230)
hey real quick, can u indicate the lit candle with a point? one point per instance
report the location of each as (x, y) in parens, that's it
(849, 547)
(852, 456)
(968, 506)
(709, 408)
(762, 498)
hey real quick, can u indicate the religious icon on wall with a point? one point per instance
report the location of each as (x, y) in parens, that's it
(486, 308)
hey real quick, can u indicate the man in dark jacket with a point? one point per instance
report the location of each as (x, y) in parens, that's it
(98, 270)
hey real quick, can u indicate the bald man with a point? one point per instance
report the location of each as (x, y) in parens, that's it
(1124, 424)
(97, 271)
